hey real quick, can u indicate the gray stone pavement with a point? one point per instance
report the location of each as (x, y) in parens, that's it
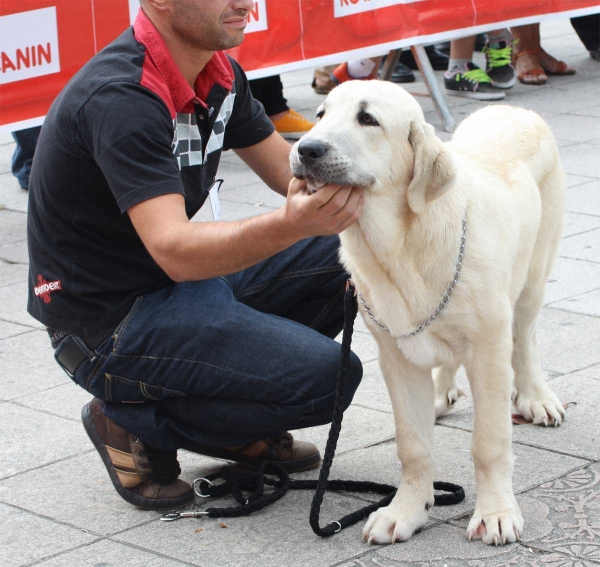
(58, 508)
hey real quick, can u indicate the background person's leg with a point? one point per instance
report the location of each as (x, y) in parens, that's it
(461, 51)
(23, 155)
(288, 122)
(269, 91)
(588, 30)
(464, 78)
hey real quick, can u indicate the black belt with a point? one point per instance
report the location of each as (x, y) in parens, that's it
(77, 349)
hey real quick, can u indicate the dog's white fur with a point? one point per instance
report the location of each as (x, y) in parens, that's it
(502, 170)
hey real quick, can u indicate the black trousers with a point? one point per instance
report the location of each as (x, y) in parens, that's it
(588, 30)
(269, 91)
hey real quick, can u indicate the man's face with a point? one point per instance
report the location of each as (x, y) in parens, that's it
(211, 25)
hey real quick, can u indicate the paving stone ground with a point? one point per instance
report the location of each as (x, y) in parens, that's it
(58, 508)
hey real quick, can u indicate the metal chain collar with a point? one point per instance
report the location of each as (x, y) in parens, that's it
(442, 304)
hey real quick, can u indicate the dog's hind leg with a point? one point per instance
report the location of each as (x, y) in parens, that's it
(411, 392)
(532, 396)
(446, 391)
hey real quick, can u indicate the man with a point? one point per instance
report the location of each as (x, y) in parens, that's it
(213, 337)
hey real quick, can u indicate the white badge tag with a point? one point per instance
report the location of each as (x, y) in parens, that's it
(213, 193)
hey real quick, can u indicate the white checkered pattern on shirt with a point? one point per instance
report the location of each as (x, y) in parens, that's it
(187, 143)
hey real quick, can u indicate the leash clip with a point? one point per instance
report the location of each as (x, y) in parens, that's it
(175, 515)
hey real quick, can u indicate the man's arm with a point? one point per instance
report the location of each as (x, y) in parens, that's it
(193, 251)
(270, 159)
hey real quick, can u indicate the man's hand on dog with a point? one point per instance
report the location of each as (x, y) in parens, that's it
(330, 210)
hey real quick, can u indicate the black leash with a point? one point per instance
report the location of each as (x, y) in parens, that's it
(456, 493)
(236, 481)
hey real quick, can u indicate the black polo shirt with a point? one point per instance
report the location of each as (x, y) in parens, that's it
(127, 127)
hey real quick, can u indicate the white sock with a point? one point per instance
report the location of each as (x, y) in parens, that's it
(457, 63)
(360, 68)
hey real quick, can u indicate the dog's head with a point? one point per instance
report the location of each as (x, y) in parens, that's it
(372, 134)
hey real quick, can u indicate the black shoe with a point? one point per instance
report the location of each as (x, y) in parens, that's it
(443, 47)
(471, 82)
(402, 74)
(438, 60)
(480, 41)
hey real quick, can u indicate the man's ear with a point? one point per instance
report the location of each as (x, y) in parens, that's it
(433, 171)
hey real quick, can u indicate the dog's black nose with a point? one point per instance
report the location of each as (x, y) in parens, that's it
(311, 150)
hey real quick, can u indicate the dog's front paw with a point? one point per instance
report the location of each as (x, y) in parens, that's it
(496, 528)
(539, 405)
(389, 525)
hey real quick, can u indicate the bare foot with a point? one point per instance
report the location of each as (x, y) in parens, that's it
(552, 65)
(529, 69)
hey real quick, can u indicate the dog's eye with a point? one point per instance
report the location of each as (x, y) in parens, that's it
(367, 120)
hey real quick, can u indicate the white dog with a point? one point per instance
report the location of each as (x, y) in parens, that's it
(500, 180)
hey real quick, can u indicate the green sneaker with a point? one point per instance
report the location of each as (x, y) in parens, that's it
(498, 64)
(471, 82)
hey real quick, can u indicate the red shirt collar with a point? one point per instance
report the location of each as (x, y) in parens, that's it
(217, 70)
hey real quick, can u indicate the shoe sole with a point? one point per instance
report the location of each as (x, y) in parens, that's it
(401, 80)
(477, 96)
(127, 495)
(298, 465)
(506, 85)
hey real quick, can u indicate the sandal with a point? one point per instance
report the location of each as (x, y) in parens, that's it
(323, 82)
(561, 67)
(326, 78)
(537, 71)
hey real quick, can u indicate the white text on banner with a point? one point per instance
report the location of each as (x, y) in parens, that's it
(344, 8)
(257, 17)
(29, 46)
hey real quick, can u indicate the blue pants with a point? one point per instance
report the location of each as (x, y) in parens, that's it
(229, 360)
(23, 155)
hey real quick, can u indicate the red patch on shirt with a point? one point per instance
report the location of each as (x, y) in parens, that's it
(44, 288)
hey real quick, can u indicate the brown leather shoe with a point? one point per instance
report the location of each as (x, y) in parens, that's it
(143, 476)
(293, 456)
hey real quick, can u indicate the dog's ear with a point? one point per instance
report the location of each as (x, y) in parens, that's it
(434, 171)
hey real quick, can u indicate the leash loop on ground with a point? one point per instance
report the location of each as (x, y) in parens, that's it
(236, 482)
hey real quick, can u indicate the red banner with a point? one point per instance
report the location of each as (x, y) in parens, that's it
(44, 42)
(336, 30)
(82, 28)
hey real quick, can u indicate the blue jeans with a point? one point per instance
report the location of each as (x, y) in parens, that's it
(23, 155)
(231, 360)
